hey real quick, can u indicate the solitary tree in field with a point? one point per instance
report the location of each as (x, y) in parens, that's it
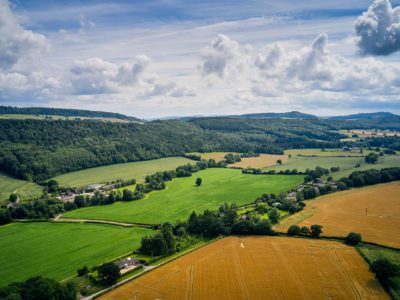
(279, 161)
(199, 181)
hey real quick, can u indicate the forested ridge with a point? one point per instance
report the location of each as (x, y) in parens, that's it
(40, 149)
(62, 112)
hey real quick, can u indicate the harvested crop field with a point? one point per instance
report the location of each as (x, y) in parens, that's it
(262, 161)
(259, 268)
(373, 211)
(217, 156)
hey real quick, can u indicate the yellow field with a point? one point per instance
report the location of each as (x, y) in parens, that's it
(259, 268)
(262, 161)
(217, 156)
(373, 211)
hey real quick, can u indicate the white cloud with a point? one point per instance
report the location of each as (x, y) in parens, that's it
(221, 57)
(17, 43)
(378, 29)
(98, 76)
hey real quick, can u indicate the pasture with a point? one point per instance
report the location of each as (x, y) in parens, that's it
(372, 211)
(181, 197)
(346, 164)
(262, 161)
(137, 170)
(24, 189)
(259, 268)
(57, 250)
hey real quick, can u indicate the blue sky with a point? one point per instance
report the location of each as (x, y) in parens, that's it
(166, 57)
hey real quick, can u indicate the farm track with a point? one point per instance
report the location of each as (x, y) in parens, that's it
(65, 220)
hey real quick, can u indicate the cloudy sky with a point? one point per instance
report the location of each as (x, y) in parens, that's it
(157, 58)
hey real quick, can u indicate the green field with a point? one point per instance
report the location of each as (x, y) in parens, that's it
(58, 250)
(346, 164)
(373, 253)
(326, 153)
(24, 189)
(137, 170)
(181, 197)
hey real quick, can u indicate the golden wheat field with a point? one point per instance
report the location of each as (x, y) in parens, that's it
(262, 161)
(259, 268)
(373, 211)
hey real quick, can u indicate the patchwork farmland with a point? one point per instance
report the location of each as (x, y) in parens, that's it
(181, 197)
(374, 212)
(259, 268)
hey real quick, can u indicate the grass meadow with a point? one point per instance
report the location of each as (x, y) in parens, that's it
(57, 250)
(181, 197)
(24, 189)
(137, 170)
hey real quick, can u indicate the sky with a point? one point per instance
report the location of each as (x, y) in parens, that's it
(161, 58)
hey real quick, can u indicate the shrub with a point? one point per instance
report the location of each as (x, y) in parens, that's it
(383, 269)
(293, 230)
(353, 238)
(316, 230)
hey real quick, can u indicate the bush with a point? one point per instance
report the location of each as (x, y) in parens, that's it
(383, 269)
(109, 273)
(293, 230)
(83, 271)
(316, 230)
(353, 239)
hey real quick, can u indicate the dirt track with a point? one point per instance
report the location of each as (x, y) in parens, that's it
(373, 211)
(259, 268)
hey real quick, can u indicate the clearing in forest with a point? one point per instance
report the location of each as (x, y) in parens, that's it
(259, 268)
(372, 211)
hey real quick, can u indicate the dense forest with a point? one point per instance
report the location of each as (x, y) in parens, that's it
(63, 112)
(40, 149)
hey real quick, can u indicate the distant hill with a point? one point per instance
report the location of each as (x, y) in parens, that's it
(285, 115)
(271, 115)
(63, 112)
(365, 116)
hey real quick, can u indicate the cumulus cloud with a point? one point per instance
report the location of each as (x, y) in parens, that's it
(221, 57)
(17, 43)
(316, 68)
(378, 29)
(98, 76)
